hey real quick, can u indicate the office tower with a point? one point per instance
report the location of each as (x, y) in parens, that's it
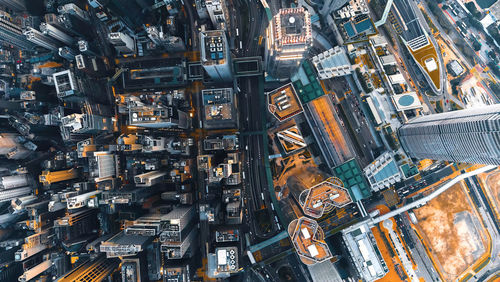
(12, 34)
(219, 109)
(181, 249)
(14, 181)
(11, 148)
(49, 177)
(7, 195)
(217, 10)
(364, 253)
(32, 272)
(179, 233)
(80, 125)
(469, 136)
(74, 25)
(67, 53)
(123, 43)
(288, 37)
(329, 6)
(40, 39)
(75, 229)
(165, 41)
(149, 179)
(55, 33)
(420, 45)
(124, 245)
(176, 223)
(85, 47)
(33, 245)
(74, 200)
(215, 55)
(16, 5)
(74, 10)
(92, 270)
(157, 116)
(223, 263)
(131, 269)
(103, 166)
(332, 63)
(66, 85)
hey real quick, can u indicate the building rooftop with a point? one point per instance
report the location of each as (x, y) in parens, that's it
(283, 103)
(365, 253)
(292, 27)
(323, 197)
(332, 62)
(219, 108)
(308, 240)
(213, 47)
(351, 175)
(383, 172)
(406, 101)
(291, 139)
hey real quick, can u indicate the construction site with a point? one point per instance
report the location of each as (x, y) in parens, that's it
(492, 189)
(452, 231)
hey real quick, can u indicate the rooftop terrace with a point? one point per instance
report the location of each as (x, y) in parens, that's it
(324, 197)
(308, 239)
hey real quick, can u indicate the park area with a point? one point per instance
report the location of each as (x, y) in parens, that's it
(452, 230)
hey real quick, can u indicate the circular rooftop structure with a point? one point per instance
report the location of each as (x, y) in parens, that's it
(406, 100)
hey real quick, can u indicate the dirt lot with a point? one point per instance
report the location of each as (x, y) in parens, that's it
(447, 225)
(493, 185)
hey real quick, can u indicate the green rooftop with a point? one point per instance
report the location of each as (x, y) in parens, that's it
(351, 174)
(306, 83)
(408, 170)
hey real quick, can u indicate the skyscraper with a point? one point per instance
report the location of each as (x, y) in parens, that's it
(288, 37)
(470, 136)
(17, 5)
(12, 34)
(215, 55)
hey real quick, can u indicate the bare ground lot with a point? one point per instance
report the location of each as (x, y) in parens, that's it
(452, 231)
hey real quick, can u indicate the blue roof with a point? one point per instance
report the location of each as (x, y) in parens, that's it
(349, 29)
(363, 25)
(386, 172)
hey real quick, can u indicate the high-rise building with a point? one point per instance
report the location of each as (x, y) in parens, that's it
(123, 43)
(215, 55)
(11, 148)
(328, 6)
(469, 136)
(73, 9)
(157, 116)
(288, 37)
(92, 270)
(149, 179)
(49, 177)
(16, 5)
(67, 53)
(421, 46)
(41, 39)
(217, 10)
(332, 63)
(12, 34)
(163, 40)
(81, 124)
(56, 33)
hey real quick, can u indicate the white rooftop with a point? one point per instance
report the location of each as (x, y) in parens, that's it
(431, 64)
